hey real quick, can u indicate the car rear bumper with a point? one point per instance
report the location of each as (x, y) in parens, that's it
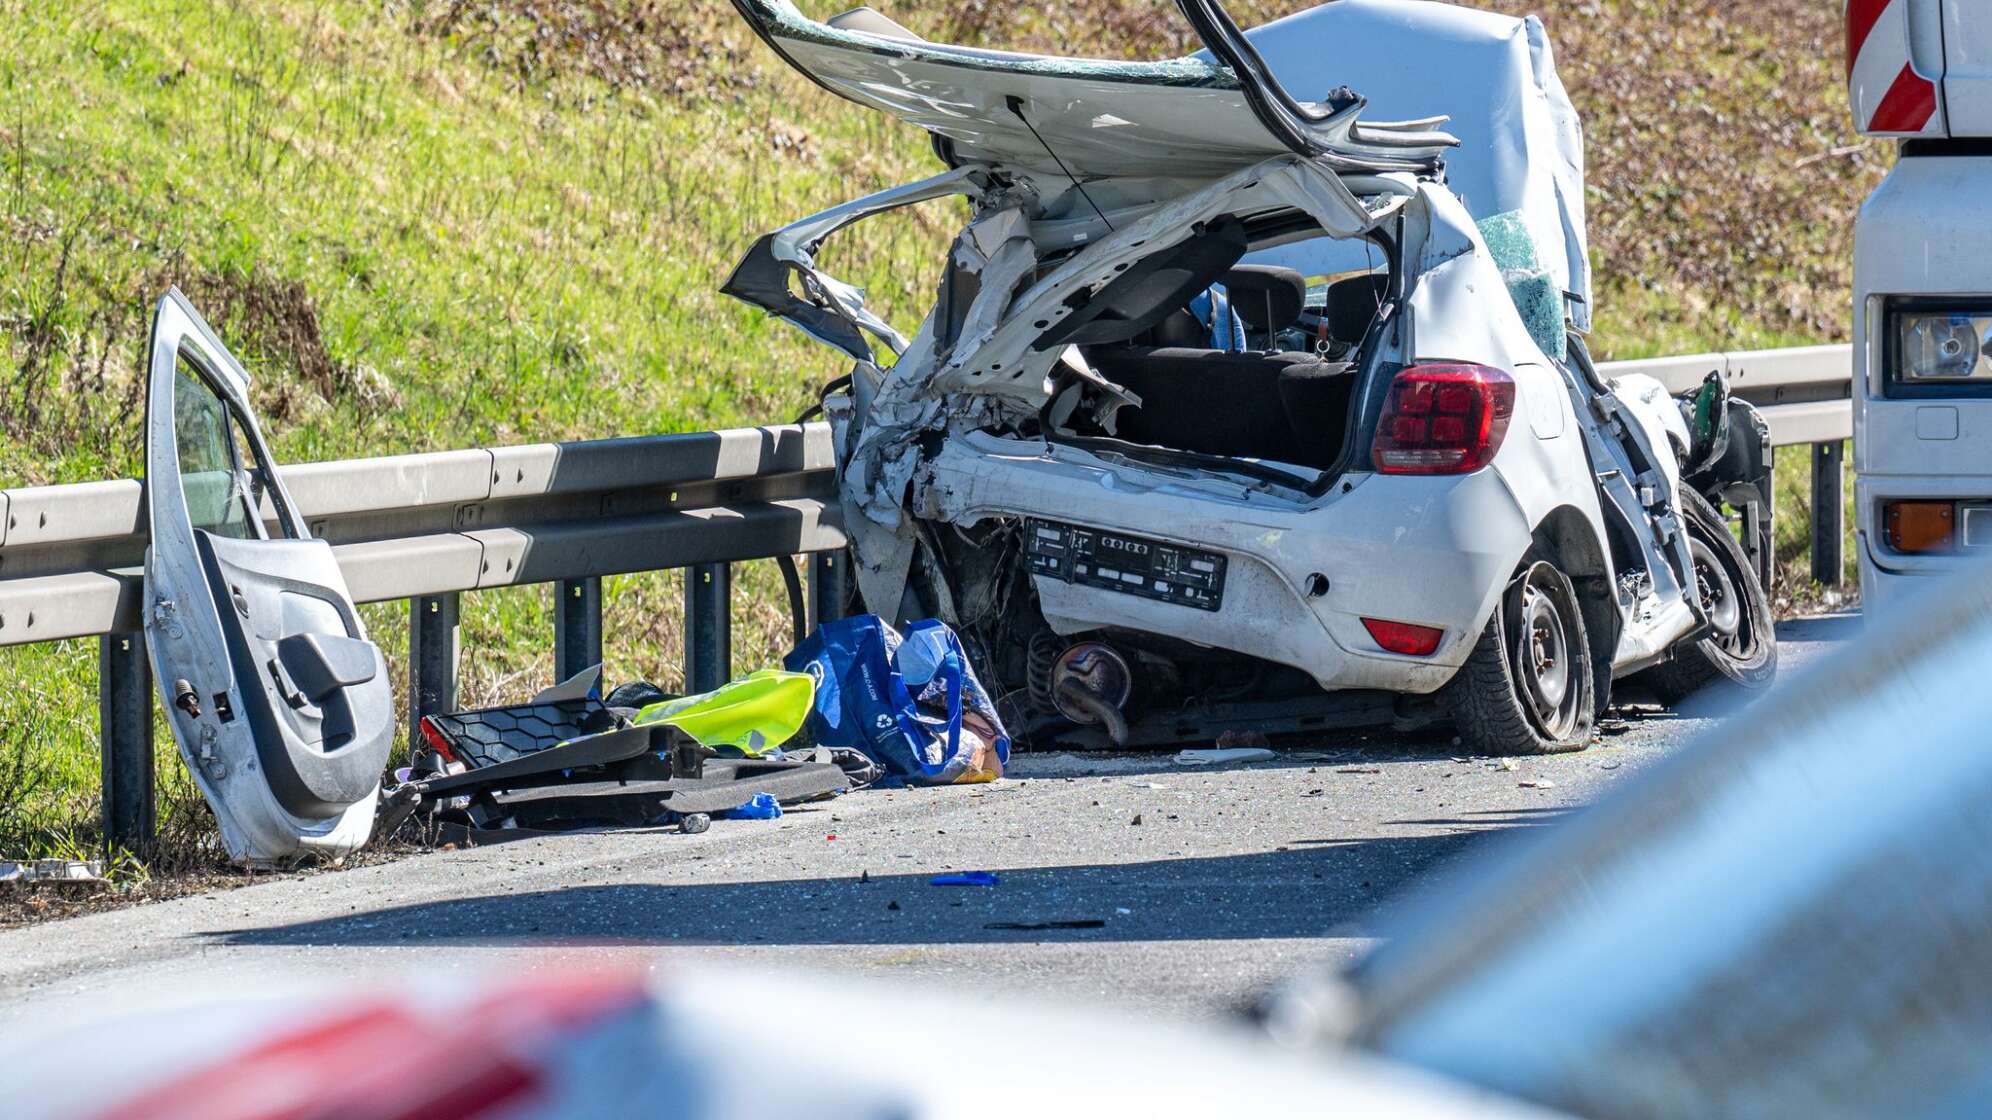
(1430, 551)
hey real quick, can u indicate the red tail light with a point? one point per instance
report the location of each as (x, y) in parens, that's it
(436, 739)
(1404, 637)
(1443, 418)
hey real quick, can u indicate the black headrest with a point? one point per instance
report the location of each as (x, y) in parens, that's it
(1352, 304)
(1266, 296)
(1151, 288)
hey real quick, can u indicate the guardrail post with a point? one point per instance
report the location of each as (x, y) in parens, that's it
(432, 658)
(577, 626)
(828, 586)
(124, 703)
(708, 626)
(1828, 512)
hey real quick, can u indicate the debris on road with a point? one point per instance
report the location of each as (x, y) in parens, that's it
(910, 701)
(760, 807)
(965, 879)
(1062, 923)
(1219, 756)
(566, 760)
(52, 871)
(1536, 783)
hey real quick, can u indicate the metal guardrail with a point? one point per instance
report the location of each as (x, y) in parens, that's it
(427, 528)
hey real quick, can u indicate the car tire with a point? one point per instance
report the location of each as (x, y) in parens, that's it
(1743, 648)
(1529, 686)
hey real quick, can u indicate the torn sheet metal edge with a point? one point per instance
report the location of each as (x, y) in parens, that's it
(835, 314)
(951, 91)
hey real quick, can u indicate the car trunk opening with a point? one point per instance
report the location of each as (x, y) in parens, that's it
(1214, 359)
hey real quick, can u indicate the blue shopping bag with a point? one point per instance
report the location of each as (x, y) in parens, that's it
(910, 702)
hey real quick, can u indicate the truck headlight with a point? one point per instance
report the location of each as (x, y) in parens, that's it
(1936, 344)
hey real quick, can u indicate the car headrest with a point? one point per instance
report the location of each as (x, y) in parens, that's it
(1352, 305)
(1266, 296)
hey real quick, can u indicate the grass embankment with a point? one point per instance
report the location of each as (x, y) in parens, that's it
(432, 224)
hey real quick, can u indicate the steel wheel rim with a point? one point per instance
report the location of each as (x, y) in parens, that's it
(1540, 657)
(1720, 599)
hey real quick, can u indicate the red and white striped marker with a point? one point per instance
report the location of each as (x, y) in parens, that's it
(1889, 97)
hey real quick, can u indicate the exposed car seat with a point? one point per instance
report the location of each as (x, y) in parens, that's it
(1288, 407)
(1182, 329)
(1352, 306)
(1268, 297)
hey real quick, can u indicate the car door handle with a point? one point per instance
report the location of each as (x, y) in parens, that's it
(321, 664)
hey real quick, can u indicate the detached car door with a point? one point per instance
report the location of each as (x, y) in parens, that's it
(280, 704)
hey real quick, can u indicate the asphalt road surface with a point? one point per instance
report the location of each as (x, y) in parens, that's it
(1209, 883)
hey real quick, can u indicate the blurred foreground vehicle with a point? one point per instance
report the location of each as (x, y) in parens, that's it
(573, 1044)
(1788, 919)
(1238, 409)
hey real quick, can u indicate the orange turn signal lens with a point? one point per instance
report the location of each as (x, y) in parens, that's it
(1920, 526)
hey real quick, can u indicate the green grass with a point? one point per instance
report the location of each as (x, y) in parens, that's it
(424, 233)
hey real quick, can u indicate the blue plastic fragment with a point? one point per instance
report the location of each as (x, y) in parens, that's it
(760, 807)
(965, 879)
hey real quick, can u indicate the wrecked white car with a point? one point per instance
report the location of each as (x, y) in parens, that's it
(1241, 410)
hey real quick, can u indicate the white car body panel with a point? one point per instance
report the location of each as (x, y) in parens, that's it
(1455, 538)
(1187, 117)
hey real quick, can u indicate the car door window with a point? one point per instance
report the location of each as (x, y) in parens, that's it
(221, 483)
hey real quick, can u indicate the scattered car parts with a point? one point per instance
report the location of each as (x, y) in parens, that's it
(566, 760)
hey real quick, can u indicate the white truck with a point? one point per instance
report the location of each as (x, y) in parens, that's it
(1920, 72)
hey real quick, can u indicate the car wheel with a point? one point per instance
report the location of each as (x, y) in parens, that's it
(1742, 644)
(1529, 686)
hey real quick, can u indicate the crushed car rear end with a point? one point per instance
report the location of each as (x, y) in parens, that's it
(1229, 397)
